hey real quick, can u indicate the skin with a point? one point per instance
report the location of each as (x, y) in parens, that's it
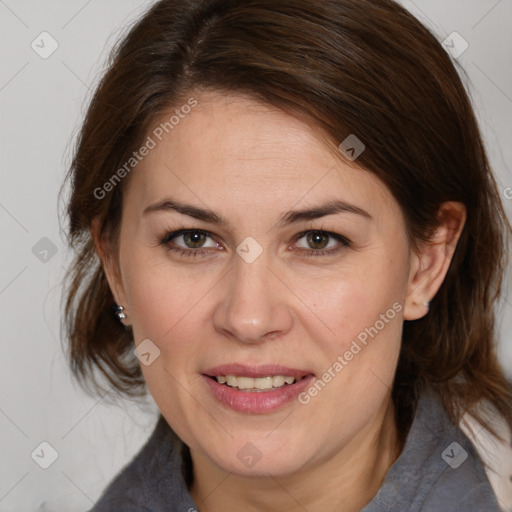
(251, 163)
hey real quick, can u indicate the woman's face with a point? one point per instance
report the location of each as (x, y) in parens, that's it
(256, 287)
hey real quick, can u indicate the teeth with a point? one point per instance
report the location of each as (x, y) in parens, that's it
(259, 383)
(244, 382)
(263, 383)
(231, 381)
(278, 381)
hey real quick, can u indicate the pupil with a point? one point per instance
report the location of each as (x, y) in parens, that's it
(195, 238)
(318, 238)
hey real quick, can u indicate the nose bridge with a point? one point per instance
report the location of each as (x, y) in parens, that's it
(252, 303)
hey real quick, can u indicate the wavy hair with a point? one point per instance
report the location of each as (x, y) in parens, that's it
(365, 67)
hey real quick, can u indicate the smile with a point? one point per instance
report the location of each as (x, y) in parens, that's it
(255, 389)
(255, 384)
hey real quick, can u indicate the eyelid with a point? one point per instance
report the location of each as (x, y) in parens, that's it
(343, 243)
(180, 232)
(170, 235)
(332, 234)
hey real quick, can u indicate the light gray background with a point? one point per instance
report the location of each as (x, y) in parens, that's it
(42, 102)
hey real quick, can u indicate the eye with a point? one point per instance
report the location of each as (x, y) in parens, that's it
(193, 242)
(193, 239)
(322, 243)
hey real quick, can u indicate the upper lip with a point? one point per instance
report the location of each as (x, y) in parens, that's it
(264, 370)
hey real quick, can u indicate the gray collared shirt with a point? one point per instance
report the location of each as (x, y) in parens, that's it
(438, 470)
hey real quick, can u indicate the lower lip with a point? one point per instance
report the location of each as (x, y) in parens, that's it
(256, 402)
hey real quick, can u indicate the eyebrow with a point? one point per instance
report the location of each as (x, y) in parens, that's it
(291, 217)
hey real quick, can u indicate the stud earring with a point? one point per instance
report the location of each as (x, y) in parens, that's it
(119, 312)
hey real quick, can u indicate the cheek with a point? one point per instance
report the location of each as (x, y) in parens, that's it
(162, 301)
(354, 301)
(363, 311)
(167, 309)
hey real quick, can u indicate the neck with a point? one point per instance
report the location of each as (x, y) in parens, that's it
(345, 482)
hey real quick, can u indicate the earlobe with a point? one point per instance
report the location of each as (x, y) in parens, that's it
(430, 263)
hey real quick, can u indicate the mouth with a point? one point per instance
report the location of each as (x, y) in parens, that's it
(256, 389)
(259, 384)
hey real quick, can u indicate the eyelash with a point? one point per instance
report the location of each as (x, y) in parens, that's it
(169, 236)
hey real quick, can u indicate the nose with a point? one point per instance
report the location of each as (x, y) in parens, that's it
(254, 304)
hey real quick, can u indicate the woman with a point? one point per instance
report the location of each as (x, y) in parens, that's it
(289, 207)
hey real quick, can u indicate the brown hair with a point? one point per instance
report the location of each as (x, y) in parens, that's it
(364, 67)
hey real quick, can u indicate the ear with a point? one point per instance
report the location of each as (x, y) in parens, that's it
(110, 264)
(430, 263)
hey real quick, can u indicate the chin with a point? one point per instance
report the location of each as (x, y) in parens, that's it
(259, 457)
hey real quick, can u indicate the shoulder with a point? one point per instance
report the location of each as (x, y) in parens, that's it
(153, 475)
(439, 469)
(460, 487)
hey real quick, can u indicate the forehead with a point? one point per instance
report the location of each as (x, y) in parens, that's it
(234, 153)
